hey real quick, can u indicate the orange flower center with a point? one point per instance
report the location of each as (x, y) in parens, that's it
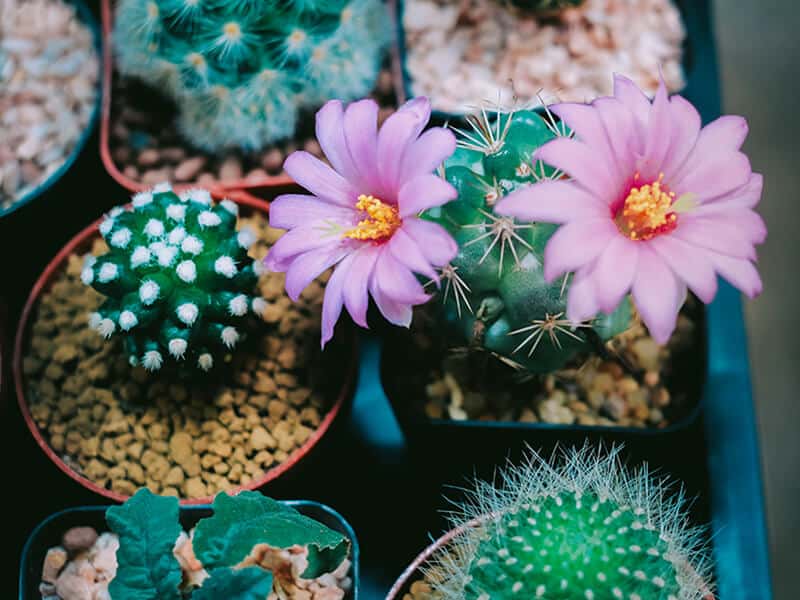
(381, 222)
(647, 211)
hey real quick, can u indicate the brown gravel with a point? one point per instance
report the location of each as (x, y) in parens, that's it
(421, 590)
(594, 392)
(123, 428)
(147, 148)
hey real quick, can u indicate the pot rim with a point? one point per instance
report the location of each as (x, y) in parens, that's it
(347, 528)
(84, 15)
(44, 280)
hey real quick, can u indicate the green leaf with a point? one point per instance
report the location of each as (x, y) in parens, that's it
(242, 521)
(147, 526)
(250, 583)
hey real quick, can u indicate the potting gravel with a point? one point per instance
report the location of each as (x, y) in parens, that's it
(82, 567)
(466, 53)
(146, 146)
(124, 428)
(597, 392)
(48, 88)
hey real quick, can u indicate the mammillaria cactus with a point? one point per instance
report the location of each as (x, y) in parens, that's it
(240, 70)
(495, 294)
(178, 281)
(582, 530)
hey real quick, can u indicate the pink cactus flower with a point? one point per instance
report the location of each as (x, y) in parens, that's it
(654, 204)
(362, 214)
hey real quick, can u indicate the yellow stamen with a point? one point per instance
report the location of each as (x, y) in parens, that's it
(381, 222)
(647, 211)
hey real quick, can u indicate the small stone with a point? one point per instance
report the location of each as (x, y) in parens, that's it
(272, 161)
(261, 439)
(194, 488)
(174, 477)
(79, 538)
(148, 158)
(230, 169)
(189, 168)
(552, 411)
(180, 447)
(124, 487)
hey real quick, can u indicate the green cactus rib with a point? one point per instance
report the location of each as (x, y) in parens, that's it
(240, 70)
(177, 279)
(586, 530)
(494, 295)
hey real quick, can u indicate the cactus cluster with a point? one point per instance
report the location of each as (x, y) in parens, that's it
(240, 70)
(494, 294)
(545, 7)
(177, 278)
(583, 530)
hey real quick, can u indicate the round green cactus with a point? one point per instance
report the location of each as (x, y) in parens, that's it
(239, 70)
(586, 530)
(178, 281)
(494, 292)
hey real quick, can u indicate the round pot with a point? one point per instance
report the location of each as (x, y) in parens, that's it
(48, 534)
(82, 241)
(85, 15)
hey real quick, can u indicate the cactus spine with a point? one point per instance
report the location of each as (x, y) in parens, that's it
(239, 70)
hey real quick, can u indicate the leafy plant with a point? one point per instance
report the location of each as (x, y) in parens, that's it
(248, 547)
(240, 70)
(177, 278)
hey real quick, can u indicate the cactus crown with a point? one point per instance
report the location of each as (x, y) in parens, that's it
(585, 530)
(240, 69)
(178, 281)
(494, 292)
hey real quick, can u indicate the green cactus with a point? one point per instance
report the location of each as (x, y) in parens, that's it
(582, 530)
(177, 277)
(239, 70)
(545, 7)
(494, 292)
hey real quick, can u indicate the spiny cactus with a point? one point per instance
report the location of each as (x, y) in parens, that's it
(582, 530)
(178, 281)
(545, 7)
(494, 292)
(239, 70)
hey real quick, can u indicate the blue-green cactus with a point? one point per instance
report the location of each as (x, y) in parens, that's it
(178, 281)
(583, 530)
(494, 292)
(240, 70)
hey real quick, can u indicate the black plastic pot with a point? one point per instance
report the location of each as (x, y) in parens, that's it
(50, 531)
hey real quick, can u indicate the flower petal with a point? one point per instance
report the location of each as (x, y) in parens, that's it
(620, 125)
(658, 137)
(356, 297)
(424, 192)
(575, 244)
(551, 202)
(658, 295)
(420, 106)
(689, 264)
(686, 124)
(406, 251)
(714, 176)
(586, 122)
(295, 242)
(721, 137)
(361, 135)
(307, 267)
(330, 134)
(715, 235)
(634, 100)
(296, 210)
(319, 179)
(432, 239)
(614, 271)
(394, 139)
(333, 299)
(741, 273)
(396, 313)
(747, 196)
(581, 300)
(426, 153)
(580, 162)
(395, 282)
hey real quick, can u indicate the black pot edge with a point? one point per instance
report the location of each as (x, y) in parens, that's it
(85, 14)
(310, 505)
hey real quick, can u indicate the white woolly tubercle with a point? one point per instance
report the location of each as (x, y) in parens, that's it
(121, 238)
(258, 267)
(94, 320)
(108, 272)
(205, 361)
(148, 292)
(140, 256)
(198, 195)
(106, 226)
(225, 266)
(162, 187)
(229, 337)
(176, 236)
(177, 347)
(176, 212)
(259, 306)
(208, 218)
(142, 199)
(187, 271)
(192, 245)
(106, 328)
(115, 212)
(230, 206)
(188, 313)
(238, 306)
(154, 228)
(87, 276)
(246, 237)
(127, 320)
(166, 256)
(152, 360)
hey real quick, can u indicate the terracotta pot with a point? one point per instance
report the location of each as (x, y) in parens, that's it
(82, 242)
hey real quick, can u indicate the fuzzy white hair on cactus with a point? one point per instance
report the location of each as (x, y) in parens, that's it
(258, 268)
(187, 271)
(115, 212)
(196, 195)
(188, 313)
(157, 246)
(238, 305)
(148, 292)
(106, 328)
(229, 337)
(205, 361)
(246, 237)
(230, 206)
(164, 186)
(152, 360)
(166, 256)
(127, 320)
(94, 320)
(208, 218)
(89, 260)
(108, 272)
(121, 238)
(140, 256)
(176, 212)
(192, 245)
(154, 228)
(225, 266)
(87, 275)
(176, 236)
(177, 347)
(106, 226)
(142, 199)
(259, 306)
